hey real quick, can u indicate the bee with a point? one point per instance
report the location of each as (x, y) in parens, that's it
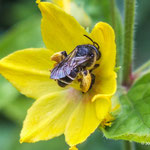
(80, 62)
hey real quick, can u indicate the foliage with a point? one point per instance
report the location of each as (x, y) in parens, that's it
(133, 122)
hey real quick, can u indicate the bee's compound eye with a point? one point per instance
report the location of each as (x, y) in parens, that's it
(76, 69)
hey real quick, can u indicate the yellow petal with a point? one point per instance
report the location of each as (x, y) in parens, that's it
(28, 71)
(102, 106)
(60, 31)
(47, 117)
(73, 148)
(64, 4)
(80, 15)
(82, 122)
(105, 85)
(104, 35)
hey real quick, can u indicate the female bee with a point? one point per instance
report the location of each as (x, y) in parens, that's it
(80, 61)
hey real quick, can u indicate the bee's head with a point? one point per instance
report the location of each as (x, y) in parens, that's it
(94, 47)
(88, 50)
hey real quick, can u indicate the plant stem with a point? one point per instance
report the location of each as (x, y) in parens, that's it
(113, 16)
(128, 145)
(128, 52)
(116, 22)
(128, 41)
(143, 68)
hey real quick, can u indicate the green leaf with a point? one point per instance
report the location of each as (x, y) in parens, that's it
(133, 122)
(143, 68)
(145, 79)
(7, 92)
(25, 34)
(9, 140)
(7, 135)
(16, 110)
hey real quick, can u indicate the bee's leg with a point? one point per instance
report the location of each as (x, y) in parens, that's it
(85, 80)
(64, 53)
(59, 56)
(93, 80)
(95, 66)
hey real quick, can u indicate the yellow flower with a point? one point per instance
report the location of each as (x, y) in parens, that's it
(64, 4)
(62, 110)
(76, 11)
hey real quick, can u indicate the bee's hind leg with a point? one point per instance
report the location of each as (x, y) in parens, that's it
(86, 80)
(59, 56)
(95, 66)
(92, 81)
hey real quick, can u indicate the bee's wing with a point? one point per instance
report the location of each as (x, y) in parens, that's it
(80, 60)
(64, 68)
(67, 65)
(60, 71)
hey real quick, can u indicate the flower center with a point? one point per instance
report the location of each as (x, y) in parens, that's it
(75, 69)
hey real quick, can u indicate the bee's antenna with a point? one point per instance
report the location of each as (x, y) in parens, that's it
(94, 43)
(89, 38)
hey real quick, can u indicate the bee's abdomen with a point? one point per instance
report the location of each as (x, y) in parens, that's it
(68, 79)
(61, 84)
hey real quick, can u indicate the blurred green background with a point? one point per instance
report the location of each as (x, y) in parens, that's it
(20, 28)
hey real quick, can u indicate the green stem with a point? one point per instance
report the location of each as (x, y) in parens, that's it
(128, 145)
(128, 41)
(128, 52)
(143, 68)
(113, 16)
(116, 23)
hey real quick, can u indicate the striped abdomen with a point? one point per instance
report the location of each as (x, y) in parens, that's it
(68, 79)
